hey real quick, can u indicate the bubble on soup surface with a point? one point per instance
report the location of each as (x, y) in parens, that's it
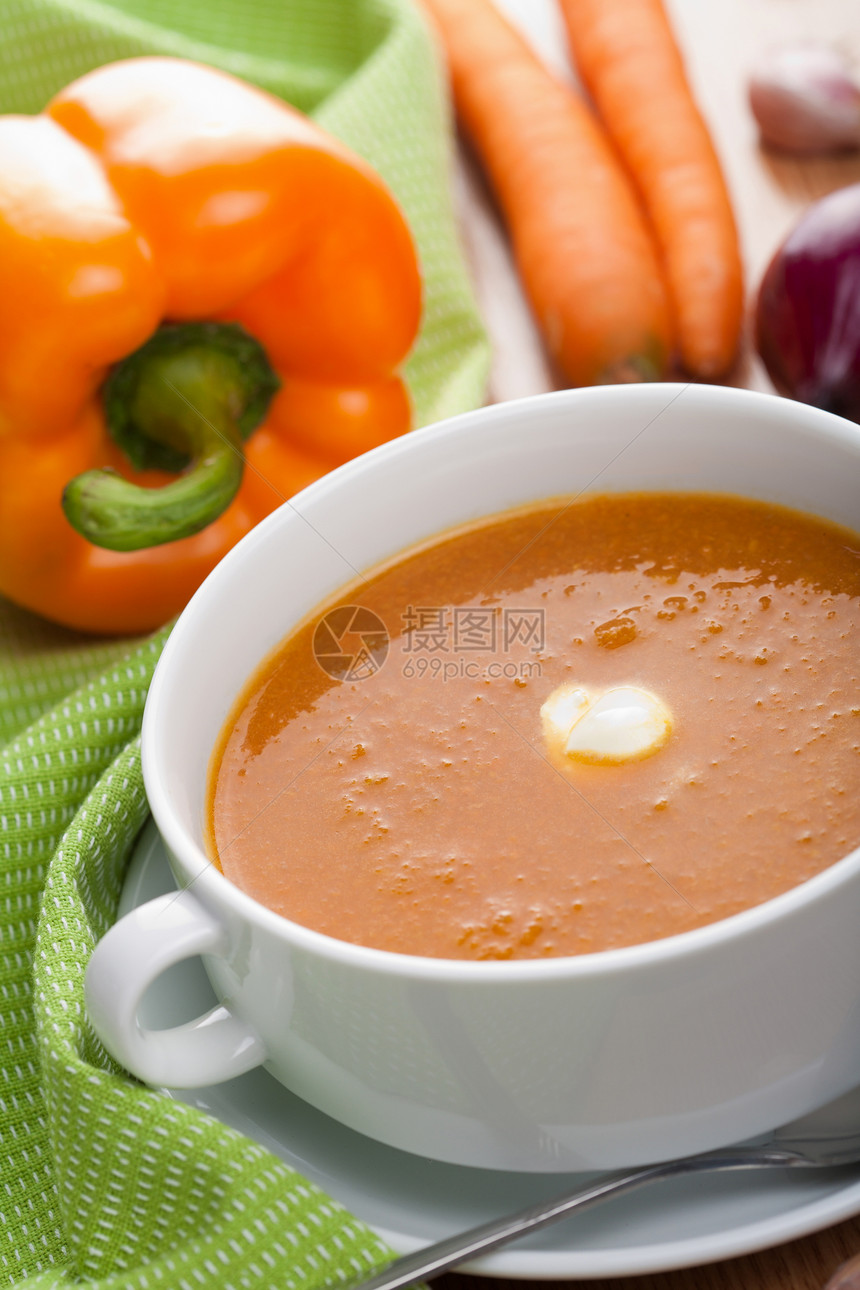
(616, 632)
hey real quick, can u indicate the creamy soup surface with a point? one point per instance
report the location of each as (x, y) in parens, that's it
(423, 804)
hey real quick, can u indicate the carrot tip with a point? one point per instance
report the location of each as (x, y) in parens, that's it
(631, 371)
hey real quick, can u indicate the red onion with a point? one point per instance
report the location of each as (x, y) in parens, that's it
(807, 318)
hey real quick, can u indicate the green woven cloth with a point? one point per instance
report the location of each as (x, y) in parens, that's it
(102, 1181)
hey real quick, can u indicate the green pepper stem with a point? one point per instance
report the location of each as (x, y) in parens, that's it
(186, 399)
(111, 512)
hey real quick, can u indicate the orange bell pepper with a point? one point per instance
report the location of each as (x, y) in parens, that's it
(206, 295)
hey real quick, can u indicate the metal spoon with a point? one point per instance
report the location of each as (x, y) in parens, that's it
(788, 1148)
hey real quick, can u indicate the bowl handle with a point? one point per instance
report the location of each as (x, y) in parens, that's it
(211, 1048)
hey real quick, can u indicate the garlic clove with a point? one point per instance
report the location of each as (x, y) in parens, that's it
(846, 1276)
(805, 98)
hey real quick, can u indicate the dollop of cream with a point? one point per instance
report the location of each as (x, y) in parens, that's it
(620, 725)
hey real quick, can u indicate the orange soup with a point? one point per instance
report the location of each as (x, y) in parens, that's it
(577, 726)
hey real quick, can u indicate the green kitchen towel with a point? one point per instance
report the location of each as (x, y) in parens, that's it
(104, 1182)
(103, 1179)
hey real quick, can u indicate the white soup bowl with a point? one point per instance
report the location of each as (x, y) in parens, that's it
(597, 1061)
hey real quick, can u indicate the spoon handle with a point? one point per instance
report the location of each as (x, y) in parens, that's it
(434, 1259)
(431, 1260)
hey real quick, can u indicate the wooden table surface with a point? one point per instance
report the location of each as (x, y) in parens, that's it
(720, 38)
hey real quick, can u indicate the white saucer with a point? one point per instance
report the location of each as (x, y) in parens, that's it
(411, 1201)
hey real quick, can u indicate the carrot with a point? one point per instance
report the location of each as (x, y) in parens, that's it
(631, 66)
(584, 252)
